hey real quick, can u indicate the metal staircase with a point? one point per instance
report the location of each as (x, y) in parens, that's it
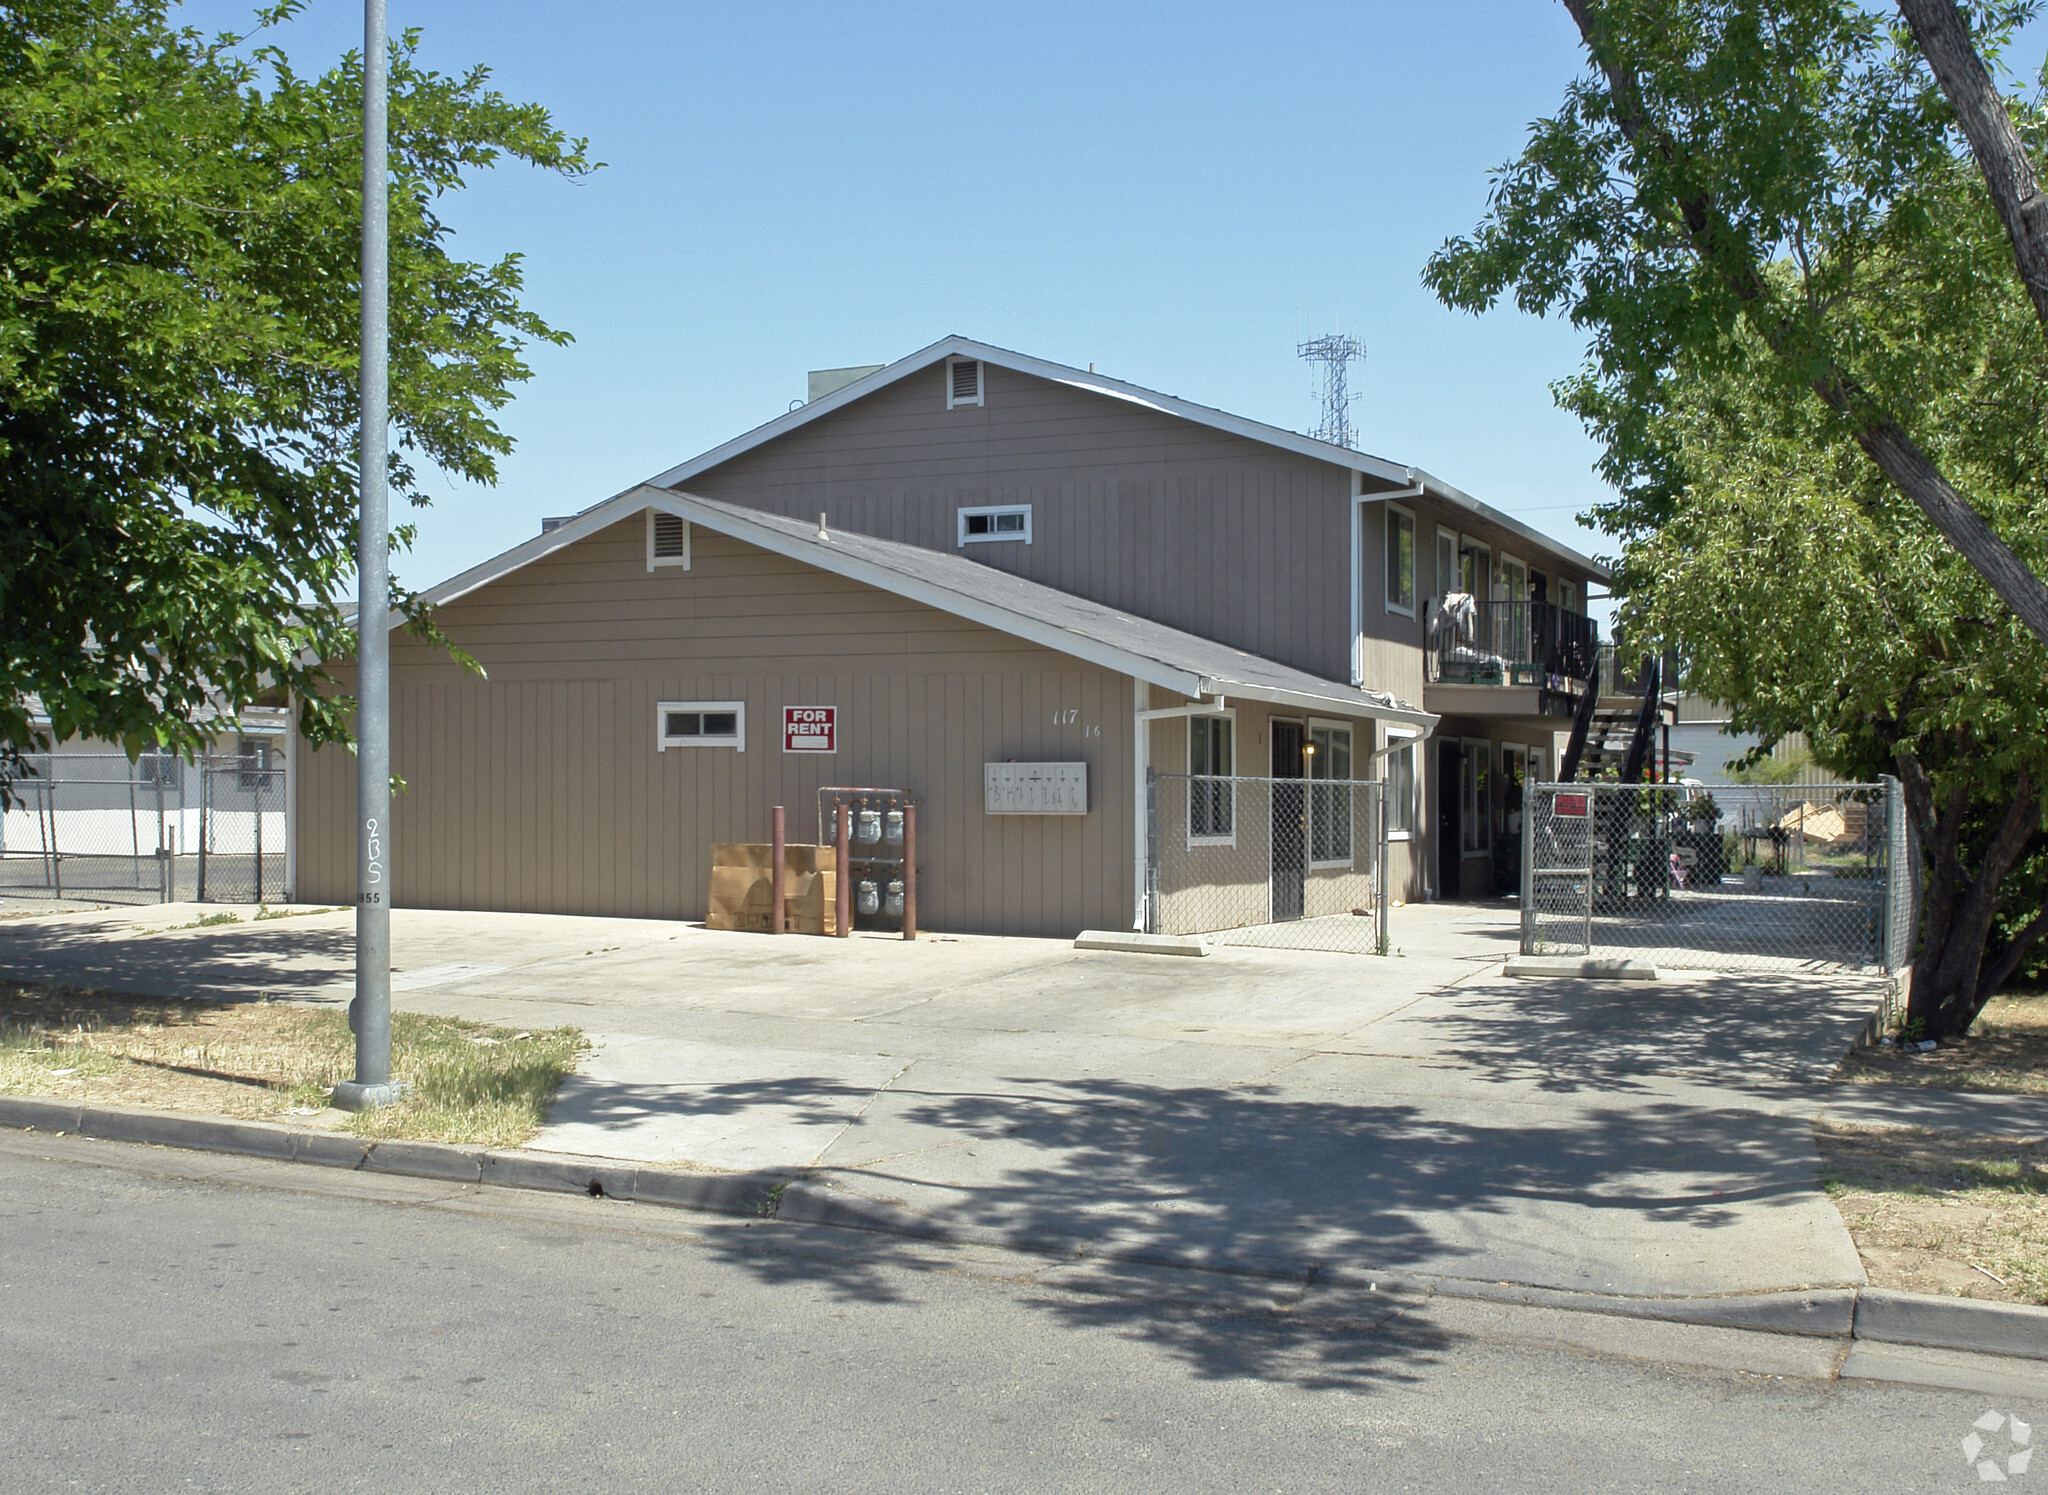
(1617, 737)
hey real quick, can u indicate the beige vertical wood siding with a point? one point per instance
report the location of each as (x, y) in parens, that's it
(1189, 526)
(540, 789)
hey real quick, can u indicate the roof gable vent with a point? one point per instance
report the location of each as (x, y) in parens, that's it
(963, 382)
(668, 539)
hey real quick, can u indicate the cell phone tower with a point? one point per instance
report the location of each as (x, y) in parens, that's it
(1334, 351)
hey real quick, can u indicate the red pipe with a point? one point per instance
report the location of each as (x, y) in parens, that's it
(775, 875)
(842, 909)
(910, 872)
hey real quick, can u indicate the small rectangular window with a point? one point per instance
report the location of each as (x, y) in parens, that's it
(1212, 798)
(1401, 790)
(1329, 772)
(701, 724)
(963, 382)
(668, 540)
(1400, 561)
(978, 526)
(252, 764)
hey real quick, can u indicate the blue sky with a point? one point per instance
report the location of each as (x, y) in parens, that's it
(1176, 193)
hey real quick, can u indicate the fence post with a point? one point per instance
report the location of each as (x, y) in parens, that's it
(164, 871)
(1386, 895)
(1527, 897)
(1594, 849)
(205, 820)
(56, 854)
(262, 794)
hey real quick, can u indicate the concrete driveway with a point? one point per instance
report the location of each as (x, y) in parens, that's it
(1418, 1114)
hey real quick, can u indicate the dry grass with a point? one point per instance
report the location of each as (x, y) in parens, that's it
(471, 1082)
(1932, 1213)
(2006, 1050)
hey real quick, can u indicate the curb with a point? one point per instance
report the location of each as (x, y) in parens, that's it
(1866, 1313)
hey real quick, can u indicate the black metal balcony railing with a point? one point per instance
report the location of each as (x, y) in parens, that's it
(1508, 643)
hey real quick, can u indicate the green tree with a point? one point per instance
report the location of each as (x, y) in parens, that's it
(179, 222)
(1806, 592)
(1712, 141)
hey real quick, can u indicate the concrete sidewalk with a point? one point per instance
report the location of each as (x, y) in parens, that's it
(1415, 1114)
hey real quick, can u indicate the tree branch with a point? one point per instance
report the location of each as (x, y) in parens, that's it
(1944, 39)
(1882, 439)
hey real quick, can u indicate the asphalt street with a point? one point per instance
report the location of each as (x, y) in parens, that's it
(182, 1322)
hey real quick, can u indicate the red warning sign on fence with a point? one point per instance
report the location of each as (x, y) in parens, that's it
(810, 729)
(1570, 805)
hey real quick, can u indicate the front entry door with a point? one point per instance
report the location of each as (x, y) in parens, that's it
(1290, 822)
(1450, 824)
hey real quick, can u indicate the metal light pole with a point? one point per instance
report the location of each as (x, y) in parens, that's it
(370, 1013)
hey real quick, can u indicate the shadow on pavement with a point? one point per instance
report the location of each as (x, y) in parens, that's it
(233, 962)
(1239, 1178)
(1753, 1033)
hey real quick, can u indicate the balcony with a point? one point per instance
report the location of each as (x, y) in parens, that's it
(1539, 644)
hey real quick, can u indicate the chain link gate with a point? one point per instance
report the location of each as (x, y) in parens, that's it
(97, 828)
(1738, 878)
(1287, 863)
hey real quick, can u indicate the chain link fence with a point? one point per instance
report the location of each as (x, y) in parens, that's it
(97, 828)
(1740, 878)
(1288, 863)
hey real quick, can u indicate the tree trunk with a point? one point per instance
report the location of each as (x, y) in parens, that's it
(1944, 39)
(1952, 979)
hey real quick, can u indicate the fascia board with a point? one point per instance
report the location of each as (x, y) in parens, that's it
(1350, 706)
(1458, 498)
(955, 346)
(804, 414)
(916, 589)
(589, 522)
(1057, 373)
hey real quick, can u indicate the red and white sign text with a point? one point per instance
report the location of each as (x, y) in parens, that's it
(810, 729)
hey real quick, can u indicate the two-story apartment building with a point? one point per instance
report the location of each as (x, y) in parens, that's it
(974, 558)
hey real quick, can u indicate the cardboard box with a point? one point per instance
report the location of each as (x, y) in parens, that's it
(741, 880)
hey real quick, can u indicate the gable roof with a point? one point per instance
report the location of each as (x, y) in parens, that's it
(1074, 626)
(1375, 469)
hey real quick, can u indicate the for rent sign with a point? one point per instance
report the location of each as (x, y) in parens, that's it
(810, 729)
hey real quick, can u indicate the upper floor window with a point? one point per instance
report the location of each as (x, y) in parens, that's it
(963, 382)
(1400, 561)
(701, 724)
(1005, 522)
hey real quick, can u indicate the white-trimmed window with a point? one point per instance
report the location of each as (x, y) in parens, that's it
(252, 763)
(1400, 560)
(1212, 797)
(1400, 787)
(713, 724)
(1446, 562)
(1329, 795)
(1475, 568)
(1475, 796)
(963, 382)
(999, 522)
(668, 540)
